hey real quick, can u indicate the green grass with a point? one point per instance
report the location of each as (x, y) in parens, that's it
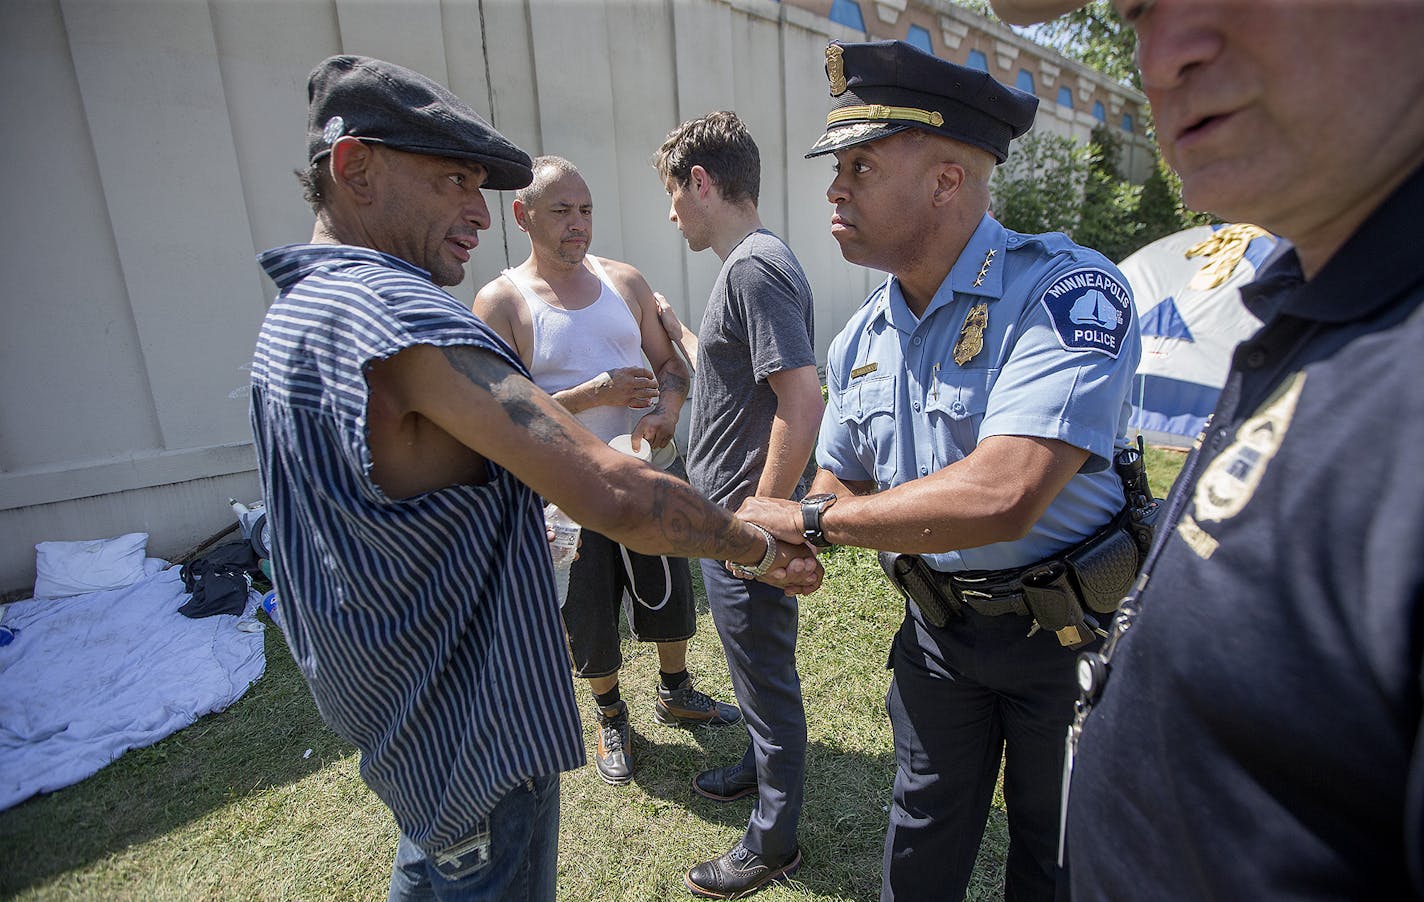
(1163, 465)
(262, 801)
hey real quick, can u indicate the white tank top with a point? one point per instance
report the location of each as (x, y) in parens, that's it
(573, 346)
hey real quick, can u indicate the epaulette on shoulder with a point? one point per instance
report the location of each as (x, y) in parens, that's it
(1053, 242)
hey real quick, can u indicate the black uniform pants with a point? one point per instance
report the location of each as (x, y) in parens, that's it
(963, 698)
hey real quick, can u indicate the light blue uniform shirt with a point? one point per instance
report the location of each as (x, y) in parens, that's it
(1060, 350)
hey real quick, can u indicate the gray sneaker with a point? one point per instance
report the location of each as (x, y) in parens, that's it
(686, 707)
(614, 757)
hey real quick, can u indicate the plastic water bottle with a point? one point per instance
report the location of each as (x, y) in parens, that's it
(269, 604)
(563, 548)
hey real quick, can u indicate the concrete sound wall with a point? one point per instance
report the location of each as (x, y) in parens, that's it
(151, 145)
(151, 149)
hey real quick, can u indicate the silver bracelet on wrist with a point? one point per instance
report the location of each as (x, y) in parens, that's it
(742, 571)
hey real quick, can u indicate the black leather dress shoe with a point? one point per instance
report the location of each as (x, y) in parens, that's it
(737, 874)
(726, 784)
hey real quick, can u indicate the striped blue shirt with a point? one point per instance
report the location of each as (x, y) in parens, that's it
(427, 628)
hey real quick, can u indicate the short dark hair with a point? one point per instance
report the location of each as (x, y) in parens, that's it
(313, 180)
(720, 143)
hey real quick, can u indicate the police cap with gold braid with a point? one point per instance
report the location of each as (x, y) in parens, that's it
(880, 88)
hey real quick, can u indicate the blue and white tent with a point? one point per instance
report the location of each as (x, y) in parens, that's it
(1186, 288)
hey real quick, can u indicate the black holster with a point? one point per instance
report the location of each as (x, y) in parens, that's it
(920, 584)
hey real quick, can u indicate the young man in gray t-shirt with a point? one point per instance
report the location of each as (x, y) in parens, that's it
(756, 409)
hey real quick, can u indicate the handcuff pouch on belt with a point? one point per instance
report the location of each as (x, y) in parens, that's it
(1094, 575)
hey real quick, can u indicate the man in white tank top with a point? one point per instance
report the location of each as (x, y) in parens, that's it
(583, 325)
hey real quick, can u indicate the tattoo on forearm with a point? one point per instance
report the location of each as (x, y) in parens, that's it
(687, 521)
(672, 512)
(683, 516)
(672, 383)
(513, 392)
(669, 384)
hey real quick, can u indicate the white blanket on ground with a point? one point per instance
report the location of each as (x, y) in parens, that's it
(91, 676)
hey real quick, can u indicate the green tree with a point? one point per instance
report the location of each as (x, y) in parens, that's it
(1094, 35)
(1157, 208)
(1040, 187)
(979, 6)
(1097, 37)
(1109, 220)
(1160, 209)
(1051, 184)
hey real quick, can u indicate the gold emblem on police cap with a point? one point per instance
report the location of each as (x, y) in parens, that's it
(971, 336)
(835, 69)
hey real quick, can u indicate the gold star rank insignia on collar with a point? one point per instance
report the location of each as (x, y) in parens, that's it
(971, 336)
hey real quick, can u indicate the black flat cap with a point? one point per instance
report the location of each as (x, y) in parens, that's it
(381, 102)
(884, 87)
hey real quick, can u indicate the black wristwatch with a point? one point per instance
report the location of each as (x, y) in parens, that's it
(812, 509)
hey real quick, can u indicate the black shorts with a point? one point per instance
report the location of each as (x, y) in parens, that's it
(658, 603)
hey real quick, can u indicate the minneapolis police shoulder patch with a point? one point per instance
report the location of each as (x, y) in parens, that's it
(1091, 310)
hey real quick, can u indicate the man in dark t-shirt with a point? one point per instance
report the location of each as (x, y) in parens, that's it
(756, 405)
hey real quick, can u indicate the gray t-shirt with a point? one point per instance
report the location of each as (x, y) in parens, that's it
(759, 321)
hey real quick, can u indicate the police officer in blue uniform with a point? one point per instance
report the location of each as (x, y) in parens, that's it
(975, 401)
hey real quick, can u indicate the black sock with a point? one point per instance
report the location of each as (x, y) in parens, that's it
(609, 699)
(674, 680)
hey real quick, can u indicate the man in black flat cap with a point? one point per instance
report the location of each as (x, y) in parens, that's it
(975, 403)
(401, 445)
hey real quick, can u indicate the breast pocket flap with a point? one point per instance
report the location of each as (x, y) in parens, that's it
(866, 397)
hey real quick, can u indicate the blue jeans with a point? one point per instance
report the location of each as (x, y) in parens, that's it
(512, 856)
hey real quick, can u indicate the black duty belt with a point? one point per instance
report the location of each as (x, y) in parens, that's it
(1062, 593)
(988, 592)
